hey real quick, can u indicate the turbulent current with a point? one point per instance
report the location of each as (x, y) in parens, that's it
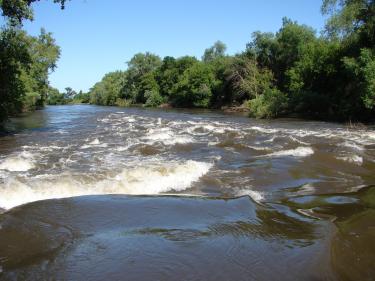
(233, 198)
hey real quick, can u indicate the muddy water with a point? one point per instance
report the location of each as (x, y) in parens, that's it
(184, 196)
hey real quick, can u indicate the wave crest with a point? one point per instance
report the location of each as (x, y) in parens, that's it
(151, 179)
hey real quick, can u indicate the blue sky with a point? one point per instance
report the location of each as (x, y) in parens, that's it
(98, 36)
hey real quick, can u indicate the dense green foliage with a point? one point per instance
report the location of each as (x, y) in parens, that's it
(14, 57)
(81, 97)
(107, 91)
(140, 77)
(25, 61)
(44, 53)
(271, 104)
(291, 72)
(54, 97)
(18, 10)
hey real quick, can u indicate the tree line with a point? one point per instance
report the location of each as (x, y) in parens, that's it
(293, 72)
(70, 96)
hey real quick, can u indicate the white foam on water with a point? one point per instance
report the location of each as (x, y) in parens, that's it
(350, 138)
(159, 134)
(301, 151)
(147, 179)
(93, 145)
(129, 119)
(214, 129)
(299, 141)
(95, 142)
(371, 135)
(355, 159)
(307, 189)
(166, 136)
(195, 131)
(40, 149)
(352, 145)
(217, 158)
(259, 148)
(123, 148)
(270, 140)
(61, 132)
(263, 130)
(155, 179)
(50, 148)
(257, 196)
(205, 128)
(21, 162)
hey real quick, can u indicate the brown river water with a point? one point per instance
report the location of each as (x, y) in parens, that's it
(108, 193)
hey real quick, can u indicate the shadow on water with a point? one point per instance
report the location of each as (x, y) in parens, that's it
(27, 121)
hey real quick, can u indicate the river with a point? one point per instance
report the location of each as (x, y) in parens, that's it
(137, 194)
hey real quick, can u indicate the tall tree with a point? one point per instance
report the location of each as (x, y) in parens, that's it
(214, 52)
(108, 90)
(351, 17)
(246, 79)
(25, 61)
(18, 10)
(14, 57)
(171, 71)
(44, 54)
(141, 76)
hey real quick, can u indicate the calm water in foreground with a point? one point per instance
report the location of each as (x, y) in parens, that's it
(155, 195)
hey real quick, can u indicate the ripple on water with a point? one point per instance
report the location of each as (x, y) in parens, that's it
(297, 152)
(159, 238)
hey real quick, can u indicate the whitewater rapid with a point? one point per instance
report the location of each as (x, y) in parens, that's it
(147, 179)
(138, 152)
